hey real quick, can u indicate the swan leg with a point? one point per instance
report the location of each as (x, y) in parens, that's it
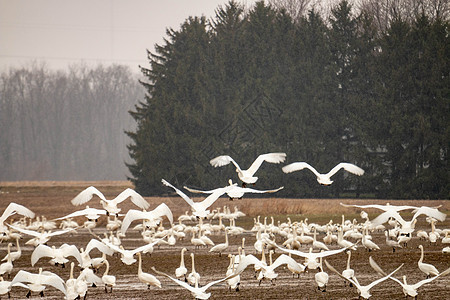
(106, 290)
(111, 289)
(41, 294)
(28, 294)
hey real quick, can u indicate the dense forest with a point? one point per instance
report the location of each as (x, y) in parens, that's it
(66, 125)
(363, 84)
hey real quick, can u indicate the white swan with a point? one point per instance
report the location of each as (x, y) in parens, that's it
(181, 271)
(363, 290)
(219, 248)
(247, 176)
(90, 213)
(196, 291)
(14, 255)
(321, 278)
(234, 191)
(193, 277)
(38, 282)
(428, 269)
(147, 278)
(386, 207)
(323, 179)
(40, 237)
(311, 257)
(367, 243)
(153, 216)
(58, 255)
(392, 243)
(7, 266)
(199, 209)
(5, 287)
(108, 280)
(127, 256)
(408, 226)
(349, 272)
(111, 205)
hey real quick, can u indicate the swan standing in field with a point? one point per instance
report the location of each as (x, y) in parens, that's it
(233, 283)
(199, 209)
(193, 277)
(348, 272)
(11, 209)
(321, 278)
(75, 288)
(110, 205)
(37, 282)
(153, 216)
(196, 291)
(147, 278)
(392, 243)
(181, 271)
(234, 191)
(363, 290)
(108, 280)
(219, 248)
(7, 266)
(323, 179)
(428, 269)
(58, 255)
(247, 176)
(14, 255)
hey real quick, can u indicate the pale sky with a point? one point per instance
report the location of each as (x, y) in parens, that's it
(64, 32)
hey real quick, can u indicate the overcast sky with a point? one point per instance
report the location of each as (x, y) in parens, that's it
(64, 32)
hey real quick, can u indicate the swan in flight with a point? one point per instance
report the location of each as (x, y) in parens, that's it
(38, 282)
(153, 216)
(11, 209)
(363, 290)
(234, 191)
(311, 257)
(111, 205)
(199, 209)
(128, 255)
(323, 179)
(408, 226)
(58, 255)
(387, 207)
(196, 291)
(40, 237)
(247, 176)
(89, 212)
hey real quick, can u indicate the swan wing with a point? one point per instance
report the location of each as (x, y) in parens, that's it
(245, 262)
(212, 198)
(283, 259)
(162, 210)
(199, 191)
(59, 232)
(179, 282)
(208, 285)
(71, 250)
(93, 243)
(24, 276)
(14, 208)
(87, 195)
(136, 198)
(384, 217)
(354, 169)
(148, 246)
(422, 282)
(223, 160)
(376, 267)
(374, 283)
(274, 158)
(339, 274)
(131, 216)
(41, 251)
(297, 166)
(55, 281)
(180, 193)
(295, 252)
(250, 190)
(84, 212)
(382, 207)
(430, 212)
(26, 231)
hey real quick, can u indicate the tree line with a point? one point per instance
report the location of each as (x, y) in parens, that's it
(367, 84)
(66, 125)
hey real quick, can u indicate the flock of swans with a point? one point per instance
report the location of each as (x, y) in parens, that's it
(298, 242)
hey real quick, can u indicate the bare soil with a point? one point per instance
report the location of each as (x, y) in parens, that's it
(52, 199)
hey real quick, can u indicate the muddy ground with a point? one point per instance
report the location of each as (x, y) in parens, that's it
(54, 201)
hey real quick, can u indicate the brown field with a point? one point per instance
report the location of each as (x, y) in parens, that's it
(52, 199)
